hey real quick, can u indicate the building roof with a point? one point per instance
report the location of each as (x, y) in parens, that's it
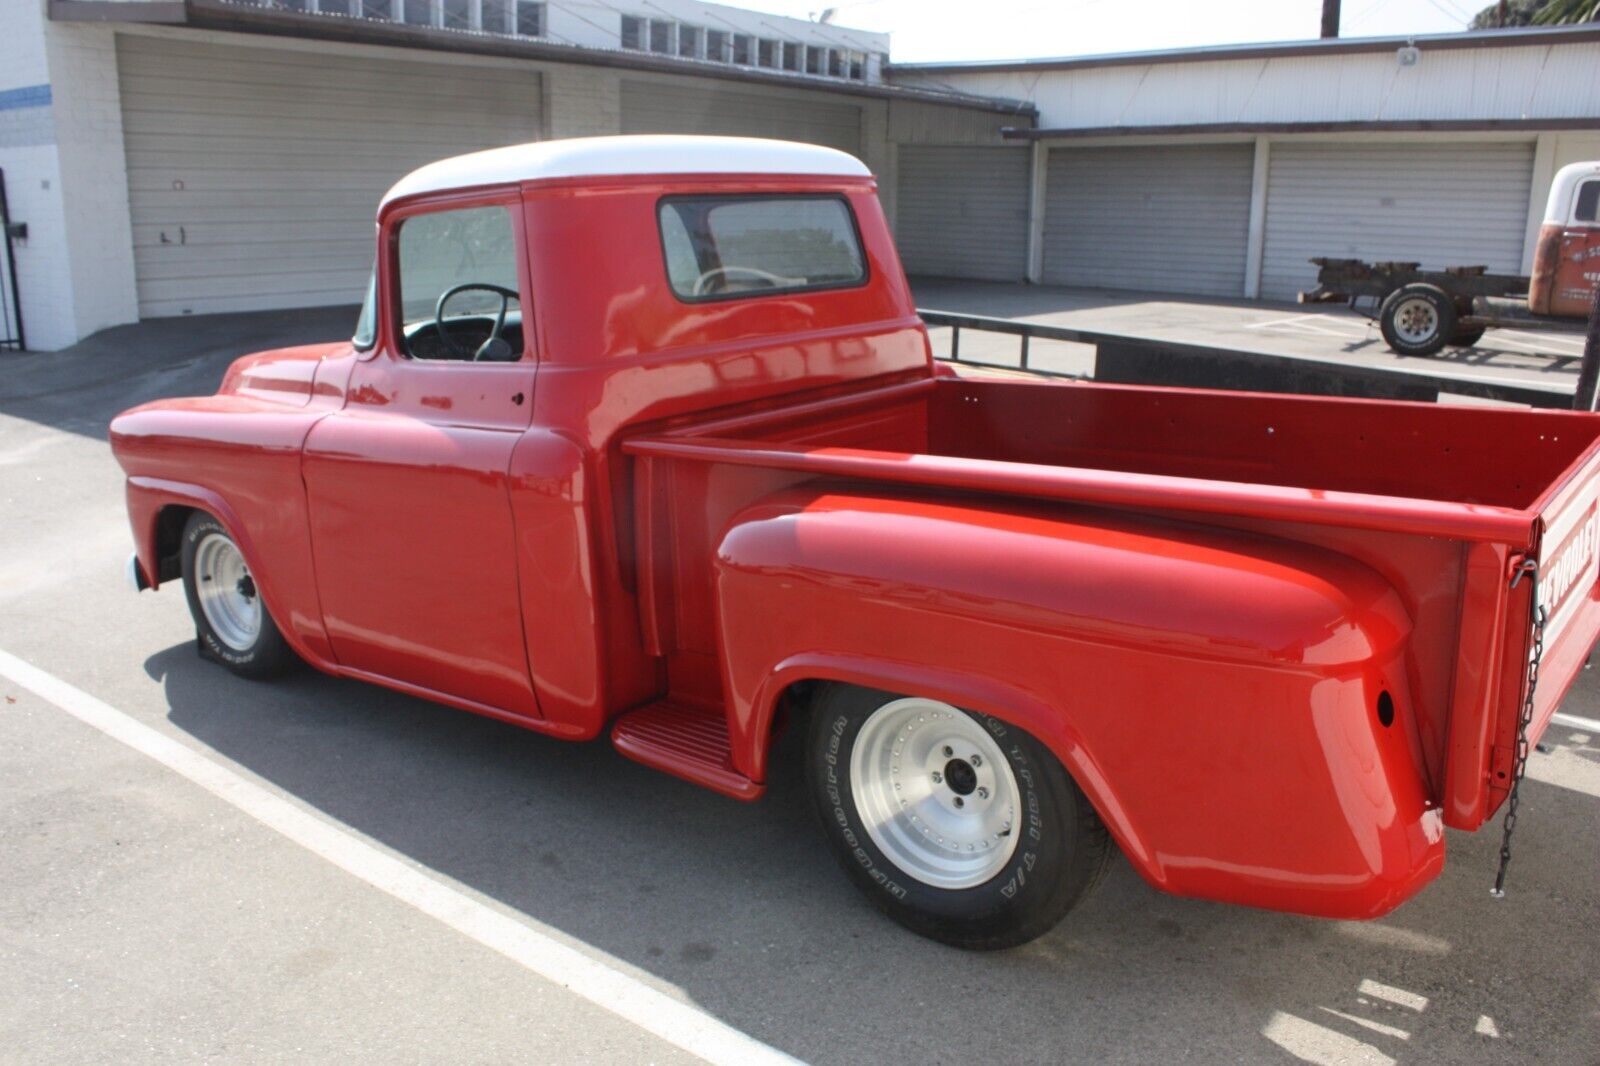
(589, 157)
(248, 16)
(1506, 38)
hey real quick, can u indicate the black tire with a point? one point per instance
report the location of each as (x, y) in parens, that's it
(268, 654)
(1466, 336)
(1061, 852)
(1417, 319)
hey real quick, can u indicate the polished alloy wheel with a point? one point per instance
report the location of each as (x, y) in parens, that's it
(935, 793)
(1416, 320)
(227, 592)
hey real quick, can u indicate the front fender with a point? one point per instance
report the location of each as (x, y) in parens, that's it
(238, 458)
(148, 497)
(1214, 693)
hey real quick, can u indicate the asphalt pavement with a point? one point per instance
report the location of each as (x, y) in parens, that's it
(1546, 360)
(147, 917)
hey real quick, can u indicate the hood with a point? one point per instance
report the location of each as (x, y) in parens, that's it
(283, 374)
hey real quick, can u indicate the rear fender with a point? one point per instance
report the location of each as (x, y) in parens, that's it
(1215, 694)
(1007, 701)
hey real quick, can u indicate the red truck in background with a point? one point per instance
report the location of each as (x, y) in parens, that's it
(643, 436)
(1421, 312)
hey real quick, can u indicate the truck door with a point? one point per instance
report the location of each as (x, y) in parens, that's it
(411, 527)
(1578, 269)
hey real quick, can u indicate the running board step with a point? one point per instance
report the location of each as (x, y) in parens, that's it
(687, 742)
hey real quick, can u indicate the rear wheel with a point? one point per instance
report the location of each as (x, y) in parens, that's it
(1417, 319)
(959, 826)
(1466, 336)
(231, 623)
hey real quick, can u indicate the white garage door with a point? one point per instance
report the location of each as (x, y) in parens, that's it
(254, 174)
(1442, 205)
(658, 107)
(1161, 219)
(962, 212)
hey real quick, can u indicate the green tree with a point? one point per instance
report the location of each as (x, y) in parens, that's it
(1538, 13)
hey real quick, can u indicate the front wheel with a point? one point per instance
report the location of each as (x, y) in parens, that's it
(960, 827)
(231, 623)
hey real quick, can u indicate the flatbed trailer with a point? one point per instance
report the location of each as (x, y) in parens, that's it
(1404, 300)
(1422, 311)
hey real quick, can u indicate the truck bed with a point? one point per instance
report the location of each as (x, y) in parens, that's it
(1429, 496)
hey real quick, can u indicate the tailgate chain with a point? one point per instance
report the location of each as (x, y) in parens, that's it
(1537, 618)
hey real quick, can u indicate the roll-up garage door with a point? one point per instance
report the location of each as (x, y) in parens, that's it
(1441, 205)
(1161, 219)
(659, 107)
(962, 212)
(254, 174)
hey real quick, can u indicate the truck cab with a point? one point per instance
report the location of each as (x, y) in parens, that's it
(1566, 264)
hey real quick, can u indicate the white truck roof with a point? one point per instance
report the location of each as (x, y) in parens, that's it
(588, 157)
(1564, 190)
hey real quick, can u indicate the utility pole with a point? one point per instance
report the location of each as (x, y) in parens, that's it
(1330, 18)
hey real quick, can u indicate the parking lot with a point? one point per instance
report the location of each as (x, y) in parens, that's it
(1542, 359)
(198, 868)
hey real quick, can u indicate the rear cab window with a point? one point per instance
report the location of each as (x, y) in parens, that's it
(731, 247)
(1587, 208)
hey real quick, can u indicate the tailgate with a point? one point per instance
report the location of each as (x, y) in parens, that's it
(1569, 568)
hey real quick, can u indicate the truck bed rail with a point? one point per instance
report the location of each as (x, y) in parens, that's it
(1470, 522)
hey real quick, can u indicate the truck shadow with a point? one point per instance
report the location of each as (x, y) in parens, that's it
(743, 908)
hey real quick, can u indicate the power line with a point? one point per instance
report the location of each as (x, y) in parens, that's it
(1447, 13)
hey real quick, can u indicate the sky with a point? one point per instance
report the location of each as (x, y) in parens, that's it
(927, 30)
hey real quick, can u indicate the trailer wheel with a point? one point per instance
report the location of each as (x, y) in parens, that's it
(1466, 336)
(1417, 319)
(958, 826)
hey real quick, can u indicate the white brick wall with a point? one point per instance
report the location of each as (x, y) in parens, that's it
(66, 177)
(94, 175)
(22, 59)
(44, 276)
(33, 183)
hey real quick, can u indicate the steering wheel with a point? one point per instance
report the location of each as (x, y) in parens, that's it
(775, 281)
(461, 351)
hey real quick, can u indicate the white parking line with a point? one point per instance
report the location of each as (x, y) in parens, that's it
(1573, 721)
(1314, 325)
(600, 980)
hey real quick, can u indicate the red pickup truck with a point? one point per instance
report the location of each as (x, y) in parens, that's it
(643, 435)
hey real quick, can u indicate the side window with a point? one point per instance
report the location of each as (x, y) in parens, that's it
(1588, 206)
(731, 246)
(458, 286)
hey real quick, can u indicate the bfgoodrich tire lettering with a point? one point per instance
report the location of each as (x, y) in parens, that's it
(236, 631)
(1060, 848)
